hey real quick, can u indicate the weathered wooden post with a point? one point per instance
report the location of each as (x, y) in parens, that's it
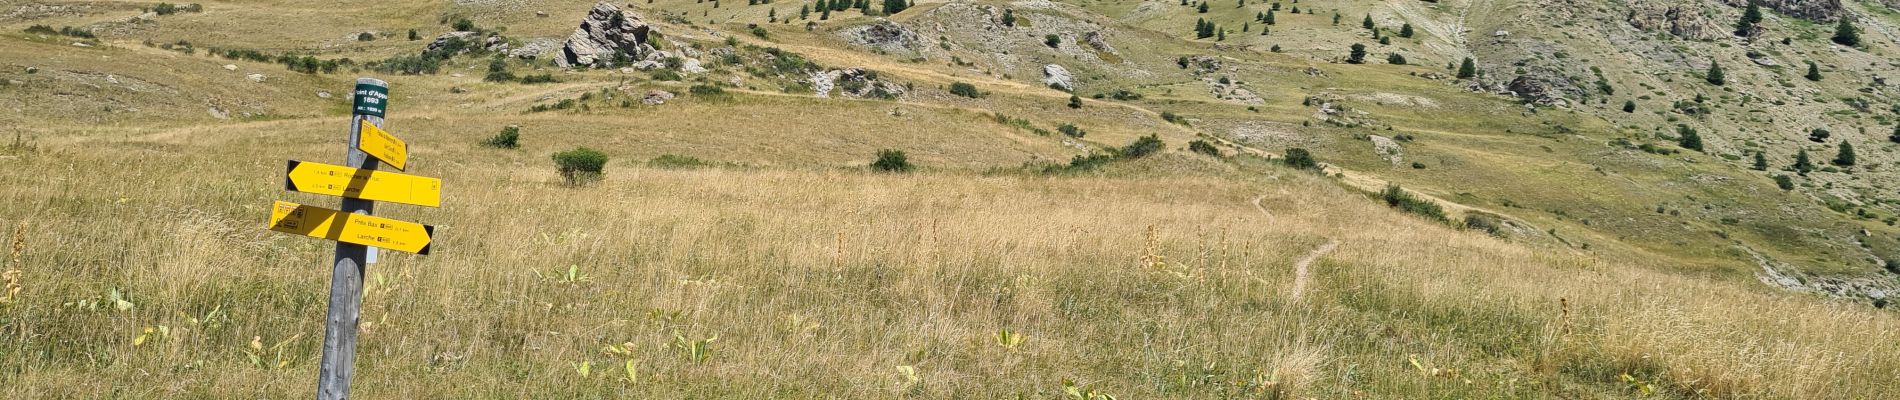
(346, 276)
(360, 185)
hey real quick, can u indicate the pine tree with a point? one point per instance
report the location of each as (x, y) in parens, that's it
(1751, 18)
(1715, 76)
(1385, 40)
(1367, 23)
(1468, 69)
(1761, 161)
(1688, 138)
(1395, 59)
(825, 15)
(1801, 162)
(1203, 7)
(1846, 157)
(1221, 36)
(1246, 27)
(1629, 106)
(1335, 19)
(1358, 55)
(1405, 31)
(1009, 17)
(1269, 19)
(1814, 72)
(1846, 34)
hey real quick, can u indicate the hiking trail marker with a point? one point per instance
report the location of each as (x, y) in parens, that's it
(352, 226)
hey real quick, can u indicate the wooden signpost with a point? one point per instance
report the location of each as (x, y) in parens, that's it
(352, 226)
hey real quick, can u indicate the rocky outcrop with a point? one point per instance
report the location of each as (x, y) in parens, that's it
(1203, 64)
(656, 97)
(1231, 90)
(457, 42)
(1095, 41)
(884, 35)
(1685, 19)
(1534, 90)
(604, 32)
(1818, 10)
(1058, 77)
(854, 82)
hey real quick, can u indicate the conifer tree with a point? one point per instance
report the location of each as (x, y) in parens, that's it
(1203, 7)
(1358, 54)
(1801, 162)
(1468, 69)
(1269, 19)
(1405, 31)
(1814, 72)
(1846, 157)
(1395, 59)
(1715, 75)
(1688, 138)
(1846, 34)
(1629, 106)
(1367, 23)
(1761, 161)
(1751, 19)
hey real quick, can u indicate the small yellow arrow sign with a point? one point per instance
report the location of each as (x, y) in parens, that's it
(367, 230)
(382, 145)
(356, 183)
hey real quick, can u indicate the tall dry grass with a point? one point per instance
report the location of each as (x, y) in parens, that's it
(1159, 279)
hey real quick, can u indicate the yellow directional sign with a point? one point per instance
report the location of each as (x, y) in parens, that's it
(336, 180)
(351, 228)
(382, 145)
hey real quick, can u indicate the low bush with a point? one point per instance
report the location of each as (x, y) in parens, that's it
(508, 138)
(965, 90)
(1404, 201)
(1143, 147)
(580, 166)
(1203, 147)
(891, 161)
(1298, 158)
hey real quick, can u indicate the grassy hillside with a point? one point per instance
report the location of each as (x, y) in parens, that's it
(780, 266)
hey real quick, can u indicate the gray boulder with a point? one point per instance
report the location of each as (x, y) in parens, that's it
(1058, 77)
(604, 32)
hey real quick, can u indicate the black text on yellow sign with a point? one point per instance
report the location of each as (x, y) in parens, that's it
(356, 183)
(382, 145)
(367, 230)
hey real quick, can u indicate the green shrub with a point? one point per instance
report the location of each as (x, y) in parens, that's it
(542, 78)
(664, 75)
(1143, 147)
(1071, 130)
(509, 138)
(706, 90)
(675, 161)
(1203, 147)
(1489, 223)
(498, 71)
(1299, 158)
(1170, 116)
(965, 90)
(580, 166)
(1784, 182)
(891, 161)
(1404, 201)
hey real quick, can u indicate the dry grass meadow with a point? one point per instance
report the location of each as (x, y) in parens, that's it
(137, 264)
(1159, 278)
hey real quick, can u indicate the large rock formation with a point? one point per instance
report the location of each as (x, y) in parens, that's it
(1685, 19)
(884, 35)
(604, 32)
(1818, 10)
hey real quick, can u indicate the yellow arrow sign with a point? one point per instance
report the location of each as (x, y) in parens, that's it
(382, 145)
(351, 228)
(336, 180)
